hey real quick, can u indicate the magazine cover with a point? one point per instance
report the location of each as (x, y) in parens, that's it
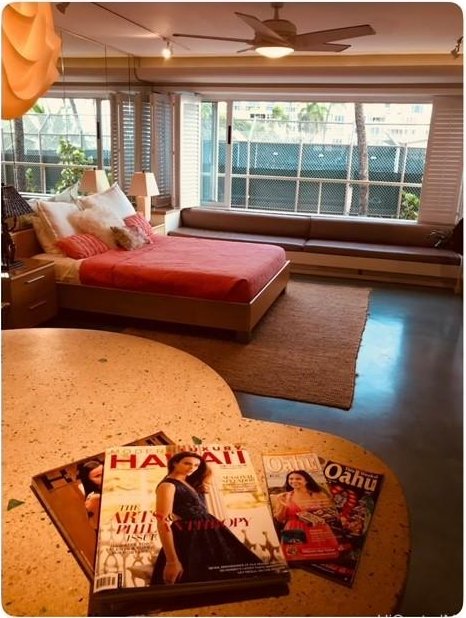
(321, 511)
(177, 522)
(70, 494)
(304, 513)
(355, 492)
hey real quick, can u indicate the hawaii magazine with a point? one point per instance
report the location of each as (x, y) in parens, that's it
(70, 495)
(180, 522)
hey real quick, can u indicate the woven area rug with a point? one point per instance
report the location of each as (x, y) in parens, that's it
(305, 348)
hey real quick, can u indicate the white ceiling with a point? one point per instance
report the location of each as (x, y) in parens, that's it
(401, 27)
(417, 36)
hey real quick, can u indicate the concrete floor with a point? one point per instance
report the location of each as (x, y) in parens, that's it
(408, 410)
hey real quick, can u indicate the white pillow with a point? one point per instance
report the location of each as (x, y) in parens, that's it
(45, 237)
(98, 220)
(114, 198)
(70, 194)
(56, 215)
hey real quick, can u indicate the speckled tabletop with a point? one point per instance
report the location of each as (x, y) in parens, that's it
(68, 394)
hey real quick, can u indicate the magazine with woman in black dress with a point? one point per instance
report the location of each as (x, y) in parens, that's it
(181, 525)
(196, 546)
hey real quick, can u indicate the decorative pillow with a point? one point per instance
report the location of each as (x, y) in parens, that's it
(82, 246)
(128, 238)
(47, 239)
(56, 215)
(114, 198)
(138, 222)
(70, 194)
(98, 220)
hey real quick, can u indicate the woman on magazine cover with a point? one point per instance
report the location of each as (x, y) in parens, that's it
(195, 544)
(90, 475)
(302, 495)
(305, 514)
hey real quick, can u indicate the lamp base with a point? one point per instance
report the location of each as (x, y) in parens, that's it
(11, 266)
(143, 206)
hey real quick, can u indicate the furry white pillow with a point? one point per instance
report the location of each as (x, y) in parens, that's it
(56, 215)
(113, 197)
(98, 220)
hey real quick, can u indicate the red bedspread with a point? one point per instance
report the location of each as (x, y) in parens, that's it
(194, 267)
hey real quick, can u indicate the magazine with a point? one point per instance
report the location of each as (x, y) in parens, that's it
(321, 511)
(355, 493)
(73, 510)
(180, 523)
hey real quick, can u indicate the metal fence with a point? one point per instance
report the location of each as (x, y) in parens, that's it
(301, 173)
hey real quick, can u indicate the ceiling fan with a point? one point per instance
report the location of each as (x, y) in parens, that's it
(277, 37)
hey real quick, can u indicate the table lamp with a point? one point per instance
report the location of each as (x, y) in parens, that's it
(143, 186)
(13, 206)
(94, 181)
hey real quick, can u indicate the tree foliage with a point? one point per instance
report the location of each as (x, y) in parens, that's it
(70, 156)
(409, 206)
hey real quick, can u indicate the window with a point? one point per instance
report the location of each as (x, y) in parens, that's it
(47, 149)
(57, 133)
(306, 159)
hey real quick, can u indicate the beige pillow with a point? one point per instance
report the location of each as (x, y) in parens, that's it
(129, 239)
(45, 236)
(113, 197)
(98, 220)
(56, 215)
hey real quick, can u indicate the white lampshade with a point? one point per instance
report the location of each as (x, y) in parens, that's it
(94, 181)
(143, 184)
(274, 51)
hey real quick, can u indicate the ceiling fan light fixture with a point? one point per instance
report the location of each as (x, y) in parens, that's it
(167, 51)
(274, 51)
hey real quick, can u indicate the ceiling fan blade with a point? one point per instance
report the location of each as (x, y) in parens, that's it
(321, 47)
(263, 31)
(214, 38)
(336, 34)
(246, 49)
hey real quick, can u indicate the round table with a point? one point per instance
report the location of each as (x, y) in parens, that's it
(68, 394)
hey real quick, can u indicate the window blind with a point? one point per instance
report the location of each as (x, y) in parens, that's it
(188, 150)
(162, 146)
(441, 193)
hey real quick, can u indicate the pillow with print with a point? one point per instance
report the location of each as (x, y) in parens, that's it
(137, 221)
(129, 238)
(82, 246)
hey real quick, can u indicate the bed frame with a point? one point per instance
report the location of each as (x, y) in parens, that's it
(238, 317)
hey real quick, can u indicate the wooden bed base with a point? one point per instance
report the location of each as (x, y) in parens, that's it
(238, 317)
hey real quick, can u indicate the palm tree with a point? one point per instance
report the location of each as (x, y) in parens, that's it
(18, 147)
(363, 158)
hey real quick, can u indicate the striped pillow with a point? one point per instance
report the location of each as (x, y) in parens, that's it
(82, 246)
(138, 222)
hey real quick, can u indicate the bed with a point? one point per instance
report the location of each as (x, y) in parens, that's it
(207, 283)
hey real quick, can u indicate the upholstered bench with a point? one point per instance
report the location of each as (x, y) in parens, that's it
(358, 247)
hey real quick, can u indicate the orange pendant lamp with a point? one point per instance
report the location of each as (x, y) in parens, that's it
(30, 50)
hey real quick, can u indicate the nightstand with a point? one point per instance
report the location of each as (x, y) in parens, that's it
(30, 291)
